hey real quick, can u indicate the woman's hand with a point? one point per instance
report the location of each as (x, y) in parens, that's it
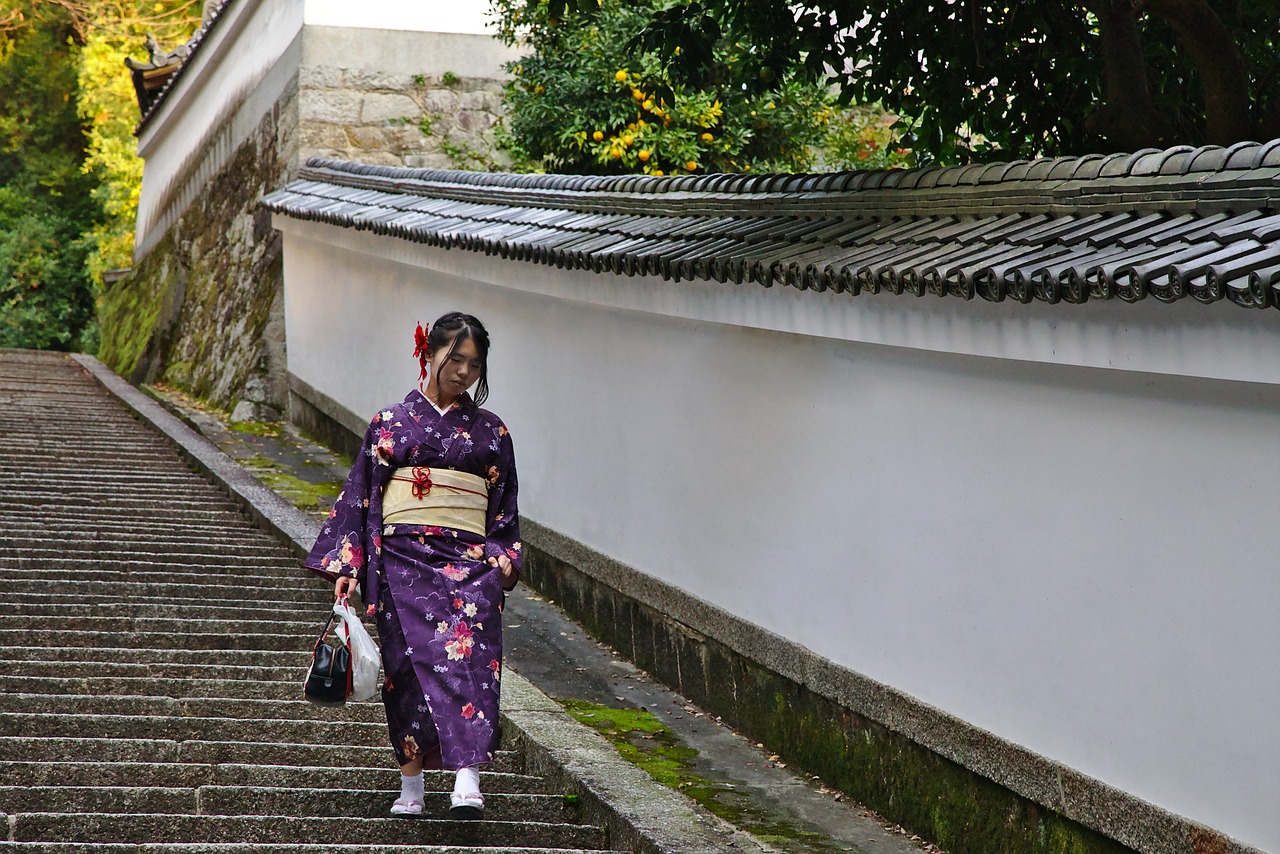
(508, 571)
(344, 586)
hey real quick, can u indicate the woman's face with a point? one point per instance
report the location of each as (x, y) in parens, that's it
(458, 372)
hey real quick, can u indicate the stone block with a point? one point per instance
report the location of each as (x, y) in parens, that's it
(367, 138)
(320, 135)
(441, 101)
(475, 121)
(405, 138)
(379, 108)
(320, 77)
(364, 80)
(334, 106)
(475, 101)
(382, 158)
(433, 160)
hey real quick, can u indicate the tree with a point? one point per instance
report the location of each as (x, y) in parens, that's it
(45, 197)
(583, 101)
(69, 176)
(982, 78)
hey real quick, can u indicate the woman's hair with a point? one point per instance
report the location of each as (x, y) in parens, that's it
(452, 329)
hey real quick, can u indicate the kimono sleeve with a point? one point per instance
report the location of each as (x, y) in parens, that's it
(350, 540)
(502, 535)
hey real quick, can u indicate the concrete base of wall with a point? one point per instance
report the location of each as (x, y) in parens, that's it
(940, 777)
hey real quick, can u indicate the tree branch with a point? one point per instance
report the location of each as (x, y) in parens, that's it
(1128, 117)
(1220, 62)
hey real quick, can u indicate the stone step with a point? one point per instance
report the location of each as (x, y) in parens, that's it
(275, 578)
(160, 557)
(103, 674)
(101, 827)
(193, 641)
(151, 686)
(143, 548)
(319, 608)
(335, 729)
(268, 848)
(192, 775)
(216, 800)
(367, 803)
(141, 591)
(77, 538)
(108, 519)
(295, 708)
(167, 625)
(86, 655)
(312, 615)
(78, 480)
(321, 757)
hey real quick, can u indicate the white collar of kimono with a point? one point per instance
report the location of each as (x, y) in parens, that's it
(437, 408)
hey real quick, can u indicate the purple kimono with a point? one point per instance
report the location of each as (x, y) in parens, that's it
(439, 602)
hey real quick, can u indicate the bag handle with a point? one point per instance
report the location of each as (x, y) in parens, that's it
(324, 632)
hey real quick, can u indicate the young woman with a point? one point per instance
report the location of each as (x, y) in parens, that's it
(427, 525)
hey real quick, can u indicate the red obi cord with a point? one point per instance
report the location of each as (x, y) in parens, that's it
(421, 481)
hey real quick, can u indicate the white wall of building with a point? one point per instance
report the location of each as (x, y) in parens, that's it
(236, 77)
(1054, 522)
(435, 16)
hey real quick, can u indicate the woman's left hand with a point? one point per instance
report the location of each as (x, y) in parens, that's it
(504, 564)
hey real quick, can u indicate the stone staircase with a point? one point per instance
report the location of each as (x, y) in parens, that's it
(152, 647)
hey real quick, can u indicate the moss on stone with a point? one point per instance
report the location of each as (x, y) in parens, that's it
(257, 428)
(298, 492)
(129, 309)
(645, 742)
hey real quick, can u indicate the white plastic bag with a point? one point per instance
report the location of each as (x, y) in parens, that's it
(364, 653)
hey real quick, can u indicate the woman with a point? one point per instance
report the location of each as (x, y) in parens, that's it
(427, 525)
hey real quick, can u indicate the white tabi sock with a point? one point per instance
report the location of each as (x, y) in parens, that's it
(411, 787)
(467, 782)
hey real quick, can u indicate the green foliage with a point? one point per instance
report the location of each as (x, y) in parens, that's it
(109, 109)
(45, 203)
(993, 79)
(69, 176)
(586, 101)
(108, 106)
(865, 137)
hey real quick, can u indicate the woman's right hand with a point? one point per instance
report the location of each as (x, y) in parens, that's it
(344, 586)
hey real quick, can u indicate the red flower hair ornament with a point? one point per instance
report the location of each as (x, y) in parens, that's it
(420, 352)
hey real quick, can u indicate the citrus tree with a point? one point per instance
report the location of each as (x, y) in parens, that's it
(989, 78)
(585, 100)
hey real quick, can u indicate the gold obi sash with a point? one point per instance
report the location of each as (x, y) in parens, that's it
(443, 498)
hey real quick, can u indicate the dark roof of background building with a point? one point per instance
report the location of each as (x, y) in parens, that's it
(192, 47)
(1165, 224)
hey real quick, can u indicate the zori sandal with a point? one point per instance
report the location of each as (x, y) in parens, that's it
(406, 807)
(469, 807)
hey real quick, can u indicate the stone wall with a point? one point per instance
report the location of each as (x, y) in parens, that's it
(203, 309)
(439, 121)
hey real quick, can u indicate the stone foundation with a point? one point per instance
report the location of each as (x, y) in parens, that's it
(203, 309)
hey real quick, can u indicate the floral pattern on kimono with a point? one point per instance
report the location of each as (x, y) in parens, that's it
(438, 601)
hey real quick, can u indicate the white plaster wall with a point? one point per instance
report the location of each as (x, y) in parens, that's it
(238, 74)
(437, 16)
(962, 501)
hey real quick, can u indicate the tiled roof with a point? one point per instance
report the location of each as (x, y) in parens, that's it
(1202, 222)
(192, 46)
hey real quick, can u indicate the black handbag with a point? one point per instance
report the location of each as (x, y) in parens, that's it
(329, 679)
